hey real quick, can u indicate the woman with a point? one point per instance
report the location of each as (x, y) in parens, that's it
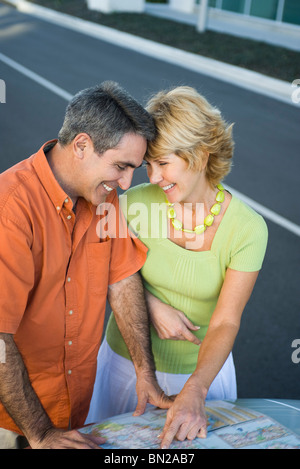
(206, 248)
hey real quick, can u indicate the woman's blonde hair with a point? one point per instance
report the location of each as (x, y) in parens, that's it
(190, 127)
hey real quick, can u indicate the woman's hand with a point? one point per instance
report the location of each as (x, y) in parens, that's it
(186, 418)
(170, 323)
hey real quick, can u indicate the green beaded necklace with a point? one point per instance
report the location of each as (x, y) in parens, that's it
(208, 220)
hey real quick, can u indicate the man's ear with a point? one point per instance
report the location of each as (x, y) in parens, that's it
(82, 145)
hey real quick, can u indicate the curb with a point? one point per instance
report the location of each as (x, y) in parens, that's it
(247, 79)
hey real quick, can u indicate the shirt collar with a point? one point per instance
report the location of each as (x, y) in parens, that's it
(47, 178)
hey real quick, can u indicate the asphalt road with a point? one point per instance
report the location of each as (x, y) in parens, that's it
(266, 167)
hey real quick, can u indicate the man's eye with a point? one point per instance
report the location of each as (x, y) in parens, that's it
(121, 168)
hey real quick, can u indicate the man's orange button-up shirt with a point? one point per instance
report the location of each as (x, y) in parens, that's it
(55, 271)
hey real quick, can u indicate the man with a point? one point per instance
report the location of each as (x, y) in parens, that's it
(56, 270)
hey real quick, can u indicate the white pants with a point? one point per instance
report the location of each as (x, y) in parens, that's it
(114, 389)
(8, 440)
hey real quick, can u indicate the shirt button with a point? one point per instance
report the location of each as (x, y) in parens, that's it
(69, 372)
(58, 208)
(69, 217)
(71, 312)
(66, 200)
(69, 279)
(70, 342)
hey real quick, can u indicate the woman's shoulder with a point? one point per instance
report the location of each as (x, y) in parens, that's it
(246, 216)
(144, 193)
(248, 234)
(141, 206)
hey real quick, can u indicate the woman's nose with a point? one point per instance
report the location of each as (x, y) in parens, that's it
(154, 174)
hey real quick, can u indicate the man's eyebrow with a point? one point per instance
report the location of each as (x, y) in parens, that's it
(128, 163)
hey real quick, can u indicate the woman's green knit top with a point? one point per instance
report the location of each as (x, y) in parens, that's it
(190, 281)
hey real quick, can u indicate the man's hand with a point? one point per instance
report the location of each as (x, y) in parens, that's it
(20, 400)
(59, 439)
(149, 391)
(186, 418)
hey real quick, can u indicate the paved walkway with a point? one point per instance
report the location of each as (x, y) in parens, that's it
(285, 35)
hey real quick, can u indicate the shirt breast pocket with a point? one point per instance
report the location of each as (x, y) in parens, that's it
(98, 255)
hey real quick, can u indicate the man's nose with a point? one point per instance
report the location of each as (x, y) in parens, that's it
(125, 181)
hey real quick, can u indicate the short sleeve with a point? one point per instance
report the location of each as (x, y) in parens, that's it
(16, 274)
(128, 253)
(249, 246)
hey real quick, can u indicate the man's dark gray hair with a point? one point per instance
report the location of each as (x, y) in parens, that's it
(106, 113)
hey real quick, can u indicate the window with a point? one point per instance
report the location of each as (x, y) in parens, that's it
(291, 11)
(234, 5)
(266, 9)
(276, 10)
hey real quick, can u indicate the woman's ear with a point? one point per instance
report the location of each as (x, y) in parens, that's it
(205, 156)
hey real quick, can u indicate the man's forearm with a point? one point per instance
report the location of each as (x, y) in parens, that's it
(128, 303)
(18, 396)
